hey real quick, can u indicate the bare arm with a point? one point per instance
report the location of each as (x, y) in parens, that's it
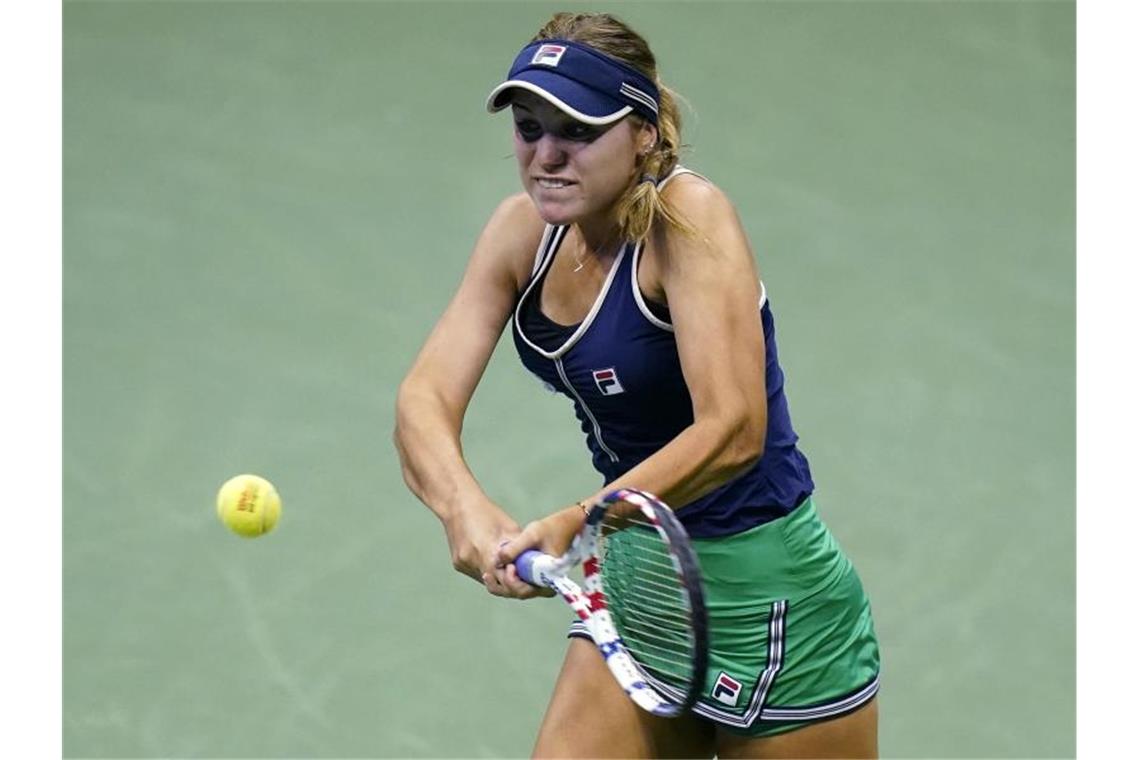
(433, 397)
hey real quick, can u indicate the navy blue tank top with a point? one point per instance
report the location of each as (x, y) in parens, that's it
(621, 370)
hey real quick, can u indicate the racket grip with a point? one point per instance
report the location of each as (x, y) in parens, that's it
(532, 564)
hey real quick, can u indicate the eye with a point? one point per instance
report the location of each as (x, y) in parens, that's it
(582, 132)
(528, 129)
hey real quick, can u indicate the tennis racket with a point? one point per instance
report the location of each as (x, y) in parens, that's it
(641, 598)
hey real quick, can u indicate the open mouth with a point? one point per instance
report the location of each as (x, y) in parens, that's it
(552, 184)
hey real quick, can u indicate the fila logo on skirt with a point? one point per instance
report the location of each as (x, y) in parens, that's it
(727, 689)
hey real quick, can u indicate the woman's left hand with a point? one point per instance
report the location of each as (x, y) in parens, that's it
(552, 535)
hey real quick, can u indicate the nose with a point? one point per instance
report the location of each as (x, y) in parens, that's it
(549, 152)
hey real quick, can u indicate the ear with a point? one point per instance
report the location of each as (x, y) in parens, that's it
(647, 139)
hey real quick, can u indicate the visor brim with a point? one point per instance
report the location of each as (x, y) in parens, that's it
(574, 99)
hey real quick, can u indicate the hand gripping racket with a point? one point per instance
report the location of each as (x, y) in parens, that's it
(640, 599)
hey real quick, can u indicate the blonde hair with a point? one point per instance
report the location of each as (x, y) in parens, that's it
(641, 203)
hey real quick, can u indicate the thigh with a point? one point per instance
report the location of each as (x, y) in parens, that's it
(590, 716)
(855, 735)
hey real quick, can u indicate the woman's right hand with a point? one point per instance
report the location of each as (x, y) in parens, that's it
(474, 534)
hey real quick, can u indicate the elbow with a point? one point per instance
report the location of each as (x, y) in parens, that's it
(408, 398)
(396, 427)
(405, 414)
(742, 456)
(745, 443)
(403, 442)
(398, 444)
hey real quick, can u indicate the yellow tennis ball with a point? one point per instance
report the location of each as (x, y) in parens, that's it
(249, 505)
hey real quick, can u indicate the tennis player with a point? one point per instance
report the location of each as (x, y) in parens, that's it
(631, 288)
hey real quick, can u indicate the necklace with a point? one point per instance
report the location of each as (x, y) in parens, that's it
(581, 260)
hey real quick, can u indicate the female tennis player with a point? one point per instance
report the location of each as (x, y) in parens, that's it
(631, 288)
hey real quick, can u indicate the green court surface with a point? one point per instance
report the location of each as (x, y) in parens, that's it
(266, 206)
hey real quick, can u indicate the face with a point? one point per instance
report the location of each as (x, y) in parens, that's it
(574, 172)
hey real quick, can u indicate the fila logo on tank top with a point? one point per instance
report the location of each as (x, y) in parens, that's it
(607, 381)
(621, 370)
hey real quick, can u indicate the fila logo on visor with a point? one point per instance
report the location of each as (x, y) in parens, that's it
(607, 381)
(727, 689)
(548, 55)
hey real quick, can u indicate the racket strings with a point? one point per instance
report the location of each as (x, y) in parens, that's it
(647, 598)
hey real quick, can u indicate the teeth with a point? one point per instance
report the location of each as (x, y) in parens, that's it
(552, 183)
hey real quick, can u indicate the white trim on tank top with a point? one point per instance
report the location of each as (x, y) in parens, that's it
(637, 295)
(541, 252)
(585, 325)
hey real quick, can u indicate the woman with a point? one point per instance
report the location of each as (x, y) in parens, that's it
(631, 288)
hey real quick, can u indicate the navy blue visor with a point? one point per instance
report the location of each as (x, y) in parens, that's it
(580, 81)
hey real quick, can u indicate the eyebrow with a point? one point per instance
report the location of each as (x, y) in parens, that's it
(598, 128)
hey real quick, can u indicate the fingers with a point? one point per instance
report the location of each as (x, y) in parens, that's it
(509, 550)
(506, 582)
(516, 581)
(504, 553)
(503, 579)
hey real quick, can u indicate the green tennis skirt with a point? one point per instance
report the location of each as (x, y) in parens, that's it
(791, 640)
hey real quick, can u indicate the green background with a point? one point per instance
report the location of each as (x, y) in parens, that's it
(266, 206)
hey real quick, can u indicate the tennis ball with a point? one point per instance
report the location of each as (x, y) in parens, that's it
(249, 505)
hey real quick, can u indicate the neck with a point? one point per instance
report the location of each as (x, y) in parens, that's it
(600, 237)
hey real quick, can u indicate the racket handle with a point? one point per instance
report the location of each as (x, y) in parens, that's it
(532, 565)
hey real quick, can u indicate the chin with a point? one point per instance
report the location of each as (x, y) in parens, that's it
(557, 213)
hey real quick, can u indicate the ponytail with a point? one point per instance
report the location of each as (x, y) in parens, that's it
(642, 203)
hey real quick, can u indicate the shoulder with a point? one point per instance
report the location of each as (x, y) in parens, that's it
(515, 218)
(699, 201)
(512, 235)
(519, 207)
(715, 228)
